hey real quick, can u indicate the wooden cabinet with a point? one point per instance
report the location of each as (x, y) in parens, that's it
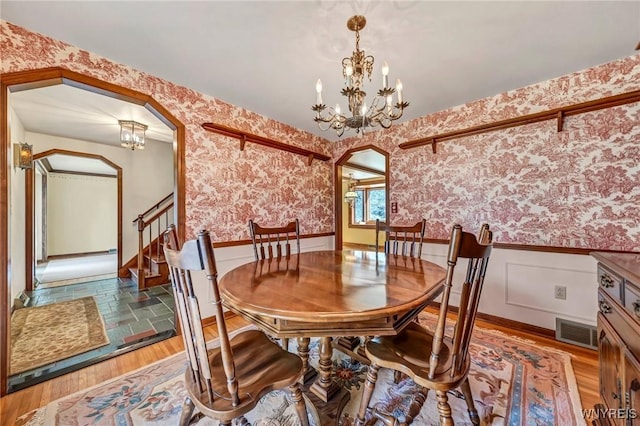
(632, 385)
(619, 338)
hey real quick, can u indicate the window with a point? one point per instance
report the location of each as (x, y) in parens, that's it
(370, 205)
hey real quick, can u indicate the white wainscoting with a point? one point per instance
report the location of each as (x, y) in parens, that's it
(520, 285)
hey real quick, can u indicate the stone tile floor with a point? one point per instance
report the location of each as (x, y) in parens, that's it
(132, 319)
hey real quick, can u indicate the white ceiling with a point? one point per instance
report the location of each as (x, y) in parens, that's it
(368, 158)
(67, 111)
(267, 55)
(63, 163)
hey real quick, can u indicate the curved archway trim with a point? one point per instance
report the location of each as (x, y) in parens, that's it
(30, 79)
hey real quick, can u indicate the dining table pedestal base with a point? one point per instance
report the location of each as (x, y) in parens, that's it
(324, 388)
(328, 412)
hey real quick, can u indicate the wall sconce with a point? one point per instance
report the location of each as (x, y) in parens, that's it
(132, 134)
(23, 153)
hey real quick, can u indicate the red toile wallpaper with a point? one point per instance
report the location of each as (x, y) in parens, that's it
(534, 186)
(225, 187)
(577, 188)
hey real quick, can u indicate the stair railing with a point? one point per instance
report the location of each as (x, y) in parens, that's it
(154, 221)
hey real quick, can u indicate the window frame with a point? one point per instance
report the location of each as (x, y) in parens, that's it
(366, 187)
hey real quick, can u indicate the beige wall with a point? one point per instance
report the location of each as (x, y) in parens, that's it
(16, 215)
(82, 214)
(355, 235)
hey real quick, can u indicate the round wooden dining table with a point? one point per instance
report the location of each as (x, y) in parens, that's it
(329, 294)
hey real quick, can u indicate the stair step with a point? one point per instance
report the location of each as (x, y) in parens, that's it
(147, 273)
(155, 259)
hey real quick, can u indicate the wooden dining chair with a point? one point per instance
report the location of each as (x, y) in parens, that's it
(435, 360)
(274, 241)
(227, 381)
(401, 240)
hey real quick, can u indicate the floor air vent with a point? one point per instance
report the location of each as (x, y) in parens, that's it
(576, 333)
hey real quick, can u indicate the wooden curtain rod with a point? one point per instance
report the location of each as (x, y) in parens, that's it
(261, 140)
(556, 113)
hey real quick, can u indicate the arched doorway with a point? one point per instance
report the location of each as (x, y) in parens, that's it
(368, 160)
(25, 80)
(30, 232)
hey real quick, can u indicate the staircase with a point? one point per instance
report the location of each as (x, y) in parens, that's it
(149, 267)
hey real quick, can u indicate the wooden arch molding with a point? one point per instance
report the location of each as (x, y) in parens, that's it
(31, 79)
(338, 185)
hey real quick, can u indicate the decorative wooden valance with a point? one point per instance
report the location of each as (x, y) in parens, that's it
(245, 137)
(556, 113)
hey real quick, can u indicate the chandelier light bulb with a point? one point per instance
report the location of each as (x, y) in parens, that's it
(319, 91)
(385, 75)
(349, 72)
(399, 90)
(337, 108)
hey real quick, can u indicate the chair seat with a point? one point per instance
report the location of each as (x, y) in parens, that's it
(409, 352)
(261, 367)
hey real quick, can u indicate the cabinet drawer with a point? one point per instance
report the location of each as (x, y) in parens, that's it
(620, 321)
(632, 300)
(610, 282)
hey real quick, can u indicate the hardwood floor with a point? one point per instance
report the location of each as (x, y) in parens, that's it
(585, 365)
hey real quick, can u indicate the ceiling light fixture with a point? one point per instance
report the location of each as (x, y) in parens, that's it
(132, 134)
(351, 195)
(381, 112)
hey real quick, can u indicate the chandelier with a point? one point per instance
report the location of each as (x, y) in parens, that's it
(381, 112)
(132, 134)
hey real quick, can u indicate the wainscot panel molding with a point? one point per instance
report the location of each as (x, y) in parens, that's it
(520, 286)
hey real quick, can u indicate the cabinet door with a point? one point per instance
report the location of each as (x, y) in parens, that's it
(632, 388)
(610, 348)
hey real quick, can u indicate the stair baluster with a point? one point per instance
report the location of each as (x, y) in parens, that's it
(150, 267)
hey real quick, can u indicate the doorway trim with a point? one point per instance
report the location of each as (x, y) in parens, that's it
(338, 185)
(31, 79)
(29, 213)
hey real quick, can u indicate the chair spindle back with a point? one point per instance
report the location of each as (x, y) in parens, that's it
(197, 255)
(401, 240)
(462, 245)
(274, 242)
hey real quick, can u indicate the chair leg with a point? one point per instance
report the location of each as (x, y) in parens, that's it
(444, 409)
(301, 408)
(242, 421)
(285, 343)
(369, 386)
(187, 411)
(471, 408)
(416, 404)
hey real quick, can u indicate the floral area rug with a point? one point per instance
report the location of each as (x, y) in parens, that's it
(44, 334)
(514, 382)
